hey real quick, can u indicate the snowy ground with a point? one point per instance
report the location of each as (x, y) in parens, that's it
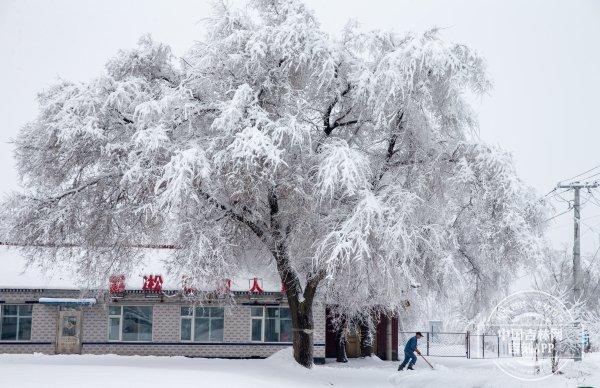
(25, 371)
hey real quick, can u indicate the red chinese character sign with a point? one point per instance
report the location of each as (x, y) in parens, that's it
(255, 287)
(153, 283)
(188, 288)
(117, 284)
(225, 286)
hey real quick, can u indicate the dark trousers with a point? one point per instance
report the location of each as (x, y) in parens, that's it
(412, 357)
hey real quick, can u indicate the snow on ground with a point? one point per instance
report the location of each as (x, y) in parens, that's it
(27, 371)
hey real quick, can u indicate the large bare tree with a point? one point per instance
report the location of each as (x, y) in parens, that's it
(352, 163)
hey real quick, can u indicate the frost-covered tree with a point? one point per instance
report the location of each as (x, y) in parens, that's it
(350, 163)
(555, 276)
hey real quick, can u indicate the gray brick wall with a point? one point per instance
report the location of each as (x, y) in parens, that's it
(7, 347)
(95, 323)
(191, 350)
(237, 324)
(44, 323)
(165, 328)
(165, 323)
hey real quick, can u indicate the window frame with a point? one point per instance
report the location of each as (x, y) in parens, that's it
(262, 323)
(263, 320)
(192, 318)
(120, 317)
(19, 317)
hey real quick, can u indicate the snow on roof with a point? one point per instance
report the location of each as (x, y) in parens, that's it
(16, 274)
(68, 301)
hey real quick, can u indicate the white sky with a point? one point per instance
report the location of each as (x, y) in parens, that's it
(543, 56)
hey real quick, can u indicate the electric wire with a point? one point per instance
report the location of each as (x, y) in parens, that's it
(578, 175)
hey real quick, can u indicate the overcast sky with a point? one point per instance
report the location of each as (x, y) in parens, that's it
(543, 57)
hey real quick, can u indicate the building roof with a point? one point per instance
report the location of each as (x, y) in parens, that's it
(15, 274)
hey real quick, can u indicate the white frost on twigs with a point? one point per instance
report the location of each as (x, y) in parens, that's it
(349, 163)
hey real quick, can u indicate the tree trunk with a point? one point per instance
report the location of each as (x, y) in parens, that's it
(300, 303)
(553, 357)
(366, 340)
(303, 326)
(340, 343)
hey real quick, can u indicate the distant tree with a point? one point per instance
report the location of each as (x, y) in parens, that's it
(555, 277)
(351, 163)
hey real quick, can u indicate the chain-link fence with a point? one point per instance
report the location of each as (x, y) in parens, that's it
(445, 344)
(492, 346)
(441, 344)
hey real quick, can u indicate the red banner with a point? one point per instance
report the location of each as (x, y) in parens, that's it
(255, 287)
(117, 284)
(153, 283)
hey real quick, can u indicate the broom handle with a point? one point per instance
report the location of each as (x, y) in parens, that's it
(423, 357)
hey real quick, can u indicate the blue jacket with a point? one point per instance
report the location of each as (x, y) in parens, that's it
(411, 345)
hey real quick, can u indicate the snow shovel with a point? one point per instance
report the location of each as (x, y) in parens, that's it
(424, 359)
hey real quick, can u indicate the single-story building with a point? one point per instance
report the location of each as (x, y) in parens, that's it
(254, 322)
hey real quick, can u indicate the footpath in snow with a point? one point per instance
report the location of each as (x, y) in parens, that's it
(78, 371)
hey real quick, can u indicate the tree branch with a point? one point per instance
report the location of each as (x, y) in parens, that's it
(328, 127)
(391, 149)
(77, 189)
(255, 228)
(311, 286)
(420, 161)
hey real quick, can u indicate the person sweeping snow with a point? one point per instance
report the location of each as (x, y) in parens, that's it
(409, 352)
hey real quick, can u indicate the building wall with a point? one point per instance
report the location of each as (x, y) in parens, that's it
(165, 328)
(94, 325)
(43, 323)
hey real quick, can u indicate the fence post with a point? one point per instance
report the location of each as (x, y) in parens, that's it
(483, 345)
(468, 345)
(427, 339)
(512, 347)
(498, 346)
(520, 348)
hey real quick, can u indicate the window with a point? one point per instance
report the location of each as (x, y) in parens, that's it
(271, 324)
(15, 324)
(257, 314)
(130, 323)
(202, 324)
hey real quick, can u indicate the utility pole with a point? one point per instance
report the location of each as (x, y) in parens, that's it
(577, 186)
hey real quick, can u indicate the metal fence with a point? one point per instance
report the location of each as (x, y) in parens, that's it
(492, 346)
(445, 344)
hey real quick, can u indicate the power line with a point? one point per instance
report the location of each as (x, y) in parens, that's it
(559, 214)
(592, 199)
(577, 176)
(591, 176)
(554, 193)
(549, 192)
(593, 259)
(558, 195)
(587, 200)
(68, 245)
(589, 228)
(595, 200)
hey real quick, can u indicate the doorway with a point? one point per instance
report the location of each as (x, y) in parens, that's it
(69, 332)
